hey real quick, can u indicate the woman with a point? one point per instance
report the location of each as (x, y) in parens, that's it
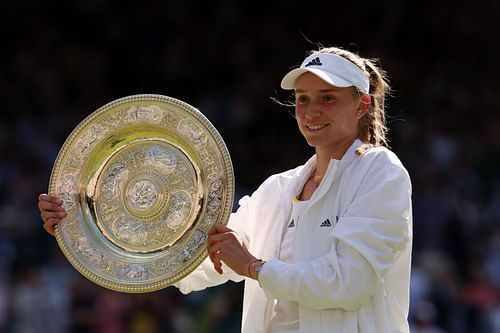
(324, 247)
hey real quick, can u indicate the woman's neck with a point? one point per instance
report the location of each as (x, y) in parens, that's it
(323, 158)
(325, 154)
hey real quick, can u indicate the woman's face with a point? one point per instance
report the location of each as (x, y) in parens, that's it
(327, 116)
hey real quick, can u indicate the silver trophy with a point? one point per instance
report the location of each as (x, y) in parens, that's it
(143, 179)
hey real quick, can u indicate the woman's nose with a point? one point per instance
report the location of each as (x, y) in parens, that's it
(312, 113)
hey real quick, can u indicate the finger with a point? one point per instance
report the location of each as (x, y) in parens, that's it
(216, 256)
(214, 251)
(212, 239)
(54, 215)
(228, 234)
(218, 228)
(49, 229)
(50, 198)
(218, 267)
(50, 225)
(217, 262)
(50, 206)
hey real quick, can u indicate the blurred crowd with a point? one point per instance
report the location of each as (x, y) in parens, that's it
(62, 61)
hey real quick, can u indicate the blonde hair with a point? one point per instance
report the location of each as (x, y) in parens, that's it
(372, 128)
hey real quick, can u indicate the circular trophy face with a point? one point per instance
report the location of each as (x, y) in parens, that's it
(143, 179)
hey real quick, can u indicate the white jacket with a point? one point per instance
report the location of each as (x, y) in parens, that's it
(352, 248)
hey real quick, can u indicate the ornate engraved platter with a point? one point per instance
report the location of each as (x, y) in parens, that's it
(143, 179)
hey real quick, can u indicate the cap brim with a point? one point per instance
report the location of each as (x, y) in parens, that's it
(288, 81)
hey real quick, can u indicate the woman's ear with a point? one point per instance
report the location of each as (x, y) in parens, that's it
(364, 106)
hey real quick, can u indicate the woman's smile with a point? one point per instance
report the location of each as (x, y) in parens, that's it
(316, 127)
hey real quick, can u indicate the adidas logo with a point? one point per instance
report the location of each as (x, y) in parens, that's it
(314, 62)
(291, 224)
(326, 223)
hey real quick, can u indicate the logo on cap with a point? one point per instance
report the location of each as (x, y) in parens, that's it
(314, 62)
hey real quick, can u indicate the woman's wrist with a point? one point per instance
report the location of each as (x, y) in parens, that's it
(252, 271)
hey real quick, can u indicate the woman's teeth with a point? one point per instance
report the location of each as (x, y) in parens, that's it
(316, 127)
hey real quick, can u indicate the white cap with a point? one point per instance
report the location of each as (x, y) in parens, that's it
(333, 69)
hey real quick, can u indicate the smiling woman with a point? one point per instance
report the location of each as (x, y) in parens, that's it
(328, 243)
(324, 247)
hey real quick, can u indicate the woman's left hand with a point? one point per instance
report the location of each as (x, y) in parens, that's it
(225, 246)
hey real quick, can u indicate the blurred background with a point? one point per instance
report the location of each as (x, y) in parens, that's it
(60, 61)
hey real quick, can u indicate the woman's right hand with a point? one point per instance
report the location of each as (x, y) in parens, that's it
(51, 211)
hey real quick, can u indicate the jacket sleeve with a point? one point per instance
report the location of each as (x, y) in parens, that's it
(205, 276)
(365, 243)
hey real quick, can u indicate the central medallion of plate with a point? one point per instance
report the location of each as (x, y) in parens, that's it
(146, 196)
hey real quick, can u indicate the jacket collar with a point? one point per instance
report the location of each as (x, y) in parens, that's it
(350, 154)
(291, 183)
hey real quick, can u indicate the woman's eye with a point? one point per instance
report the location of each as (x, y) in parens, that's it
(301, 99)
(328, 98)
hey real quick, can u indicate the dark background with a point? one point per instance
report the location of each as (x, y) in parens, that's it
(60, 61)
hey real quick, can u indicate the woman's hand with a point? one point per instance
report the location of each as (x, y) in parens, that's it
(51, 211)
(225, 246)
